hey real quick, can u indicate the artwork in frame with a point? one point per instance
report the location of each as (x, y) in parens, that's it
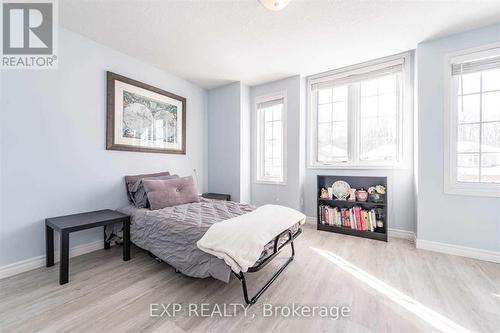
(144, 118)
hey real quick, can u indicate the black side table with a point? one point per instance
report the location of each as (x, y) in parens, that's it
(71, 223)
(217, 196)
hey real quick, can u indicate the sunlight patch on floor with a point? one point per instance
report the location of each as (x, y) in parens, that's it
(430, 316)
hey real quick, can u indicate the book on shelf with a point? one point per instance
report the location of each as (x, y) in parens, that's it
(354, 218)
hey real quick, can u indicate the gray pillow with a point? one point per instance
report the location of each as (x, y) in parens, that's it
(131, 180)
(170, 192)
(138, 193)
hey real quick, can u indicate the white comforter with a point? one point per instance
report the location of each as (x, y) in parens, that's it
(239, 241)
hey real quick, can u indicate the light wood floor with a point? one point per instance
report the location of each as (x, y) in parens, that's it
(389, 286)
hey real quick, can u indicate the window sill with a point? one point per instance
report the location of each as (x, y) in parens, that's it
(473, 189)
(270, 182)
(358, 167)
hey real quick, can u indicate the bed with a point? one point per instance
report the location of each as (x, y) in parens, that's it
(171, 234)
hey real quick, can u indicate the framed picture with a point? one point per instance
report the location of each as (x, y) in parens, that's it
(143, 118)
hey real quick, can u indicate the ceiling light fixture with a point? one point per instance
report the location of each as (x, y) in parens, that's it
(274, 4)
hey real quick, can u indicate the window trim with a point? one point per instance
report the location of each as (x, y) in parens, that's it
(405, 115)
(258, 134)
(451, 185)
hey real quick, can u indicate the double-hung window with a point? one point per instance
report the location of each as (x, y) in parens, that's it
(356, 114)
(271, 138)
(472, 118)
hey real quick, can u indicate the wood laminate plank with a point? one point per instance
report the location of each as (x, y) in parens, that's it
(107, 294)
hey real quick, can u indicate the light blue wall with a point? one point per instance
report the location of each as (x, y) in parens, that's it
(224, 108)
(53, 156)
(290, 194)
(245, 143)
(229, 141)
(460, 220)
(2, 227)
(400, 180)
(300, 191)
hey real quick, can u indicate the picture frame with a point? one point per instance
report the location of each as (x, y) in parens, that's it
(143, 118)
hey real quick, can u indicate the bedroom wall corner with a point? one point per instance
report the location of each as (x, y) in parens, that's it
(224, 151)
(444, 219)
(289, 194)
(53, 158)
(1, 171)
(401, 183)
(245, 145)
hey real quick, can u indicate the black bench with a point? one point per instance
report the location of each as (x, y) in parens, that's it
(71, 223)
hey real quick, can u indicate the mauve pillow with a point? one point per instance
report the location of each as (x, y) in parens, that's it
(138, 193)
(131, 180)
(170, 192)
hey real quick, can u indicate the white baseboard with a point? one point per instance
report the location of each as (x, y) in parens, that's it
(402, 234)
(36, 262)
(463, 251)
(311, 220)
(457, 250)
(469, 252)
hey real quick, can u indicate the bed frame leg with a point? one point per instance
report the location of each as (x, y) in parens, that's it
(254, 299)
(241, 276)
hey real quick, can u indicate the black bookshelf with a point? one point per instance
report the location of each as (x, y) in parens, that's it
(357, 183)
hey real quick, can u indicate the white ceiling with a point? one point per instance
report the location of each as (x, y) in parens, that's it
(212, 43)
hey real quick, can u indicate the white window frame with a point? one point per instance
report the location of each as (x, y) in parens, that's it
(405, 117)
(259, 177)
(451, 185)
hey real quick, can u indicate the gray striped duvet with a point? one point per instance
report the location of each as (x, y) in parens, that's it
(171, 234)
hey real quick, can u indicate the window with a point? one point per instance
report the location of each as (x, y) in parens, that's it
(332, 124)
(473, 122)
(356, 113)
(379, 108)
(271, 139)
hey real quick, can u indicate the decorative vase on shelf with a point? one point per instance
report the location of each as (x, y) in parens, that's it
(361, 195)
(376, 197)
(376, 193)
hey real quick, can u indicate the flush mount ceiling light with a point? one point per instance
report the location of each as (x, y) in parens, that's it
(274, 4)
